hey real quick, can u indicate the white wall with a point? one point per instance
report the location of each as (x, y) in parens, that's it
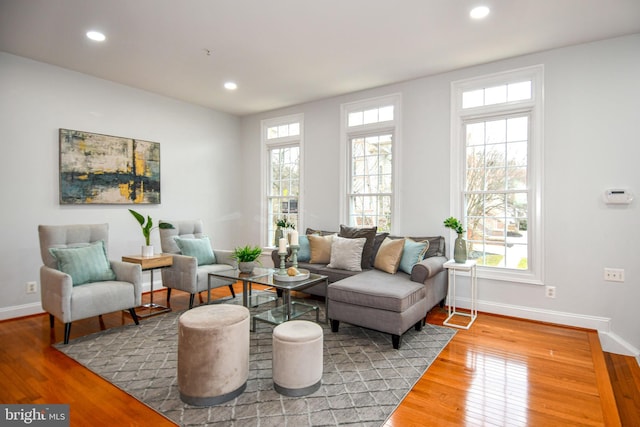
(592, 142)
(199, 148)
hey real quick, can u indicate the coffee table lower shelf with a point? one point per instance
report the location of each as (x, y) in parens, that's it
(278, 315)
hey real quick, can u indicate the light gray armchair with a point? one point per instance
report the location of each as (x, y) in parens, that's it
(78, 280)
(190, 273)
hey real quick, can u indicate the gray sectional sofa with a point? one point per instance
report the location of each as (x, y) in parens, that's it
(375, 299)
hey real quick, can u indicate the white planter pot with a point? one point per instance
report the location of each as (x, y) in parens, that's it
(246, 267)
(147, 250)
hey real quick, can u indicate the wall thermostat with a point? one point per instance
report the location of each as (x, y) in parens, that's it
(617, 196)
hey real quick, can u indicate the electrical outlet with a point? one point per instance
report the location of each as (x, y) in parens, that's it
(614, 274)
(550, 291)
(32, 287)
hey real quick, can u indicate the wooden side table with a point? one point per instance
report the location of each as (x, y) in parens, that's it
(454, 267)
(151, 263)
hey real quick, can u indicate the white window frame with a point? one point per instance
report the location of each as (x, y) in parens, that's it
(267, 145)
(348, 132)
(535, 168)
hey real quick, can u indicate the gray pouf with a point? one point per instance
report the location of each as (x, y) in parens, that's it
(213, 353)
(297, 357)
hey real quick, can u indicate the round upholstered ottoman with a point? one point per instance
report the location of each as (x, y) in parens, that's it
(297, 358)
(213, 353)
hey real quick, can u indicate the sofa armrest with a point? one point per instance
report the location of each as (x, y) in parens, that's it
(55, 292)
(182, 274)
(131, 273)
(223, 256)
(427, 268)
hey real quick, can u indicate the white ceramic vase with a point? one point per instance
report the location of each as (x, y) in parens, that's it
(147, 250)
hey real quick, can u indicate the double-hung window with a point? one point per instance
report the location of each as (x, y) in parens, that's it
(282, 142)
(496, 165)
(370, 141)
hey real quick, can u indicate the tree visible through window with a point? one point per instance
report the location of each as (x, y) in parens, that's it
(497, 142)
(496, 191)
(285, 185)
(370, 130)
(282, 138)
(371, 181)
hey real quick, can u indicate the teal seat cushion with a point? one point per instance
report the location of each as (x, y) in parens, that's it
(412, 253)
(199, 248)
(85, 264)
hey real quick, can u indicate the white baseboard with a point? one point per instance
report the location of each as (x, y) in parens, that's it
(21, 310)
(612, 343)
(609, 341)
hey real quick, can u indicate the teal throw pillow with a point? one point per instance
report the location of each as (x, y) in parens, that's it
(84, 264)
(304, 253)
(412, 253)
(198, 248)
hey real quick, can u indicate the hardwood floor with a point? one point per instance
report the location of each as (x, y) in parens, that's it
(502, 371)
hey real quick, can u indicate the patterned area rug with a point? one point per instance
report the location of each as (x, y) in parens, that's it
(364, 378)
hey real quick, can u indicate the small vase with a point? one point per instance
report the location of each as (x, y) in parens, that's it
(279, 235)
(246, 267)
(460, 250)
(147, 250)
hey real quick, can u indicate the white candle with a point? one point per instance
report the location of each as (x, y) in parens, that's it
(282, 245)
(294, 238)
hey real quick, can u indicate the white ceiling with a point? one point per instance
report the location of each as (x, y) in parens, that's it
(285, 52)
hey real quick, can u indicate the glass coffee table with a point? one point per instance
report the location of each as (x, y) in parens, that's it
(290, 309)
(249, 299)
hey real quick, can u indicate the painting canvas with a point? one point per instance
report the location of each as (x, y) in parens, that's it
(102, 169)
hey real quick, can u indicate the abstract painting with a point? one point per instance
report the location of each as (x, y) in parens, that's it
(103, 169)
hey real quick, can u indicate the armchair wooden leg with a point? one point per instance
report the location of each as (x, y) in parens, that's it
(191, 298)
(335, 325)
(233, 293)
(134, 316)
(51, 320)
(67, 332)
(418, 325)
(168, 296)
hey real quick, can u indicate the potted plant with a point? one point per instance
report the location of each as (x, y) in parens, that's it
(247, 256)
(460, 245)
(147, 227)
(281, 224)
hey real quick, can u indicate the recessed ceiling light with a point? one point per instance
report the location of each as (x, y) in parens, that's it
(230, 86)
(479, 12)
(96, 36)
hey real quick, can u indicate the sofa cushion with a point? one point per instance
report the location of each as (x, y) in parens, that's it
(368, 233)
(319, 232)
(320, 248)
(197, 248)
(376, 245)
(412, 253)
(379, 290)
(304, 253)
(436, 244)
(346, 253)
(85, 264)
(389, 255)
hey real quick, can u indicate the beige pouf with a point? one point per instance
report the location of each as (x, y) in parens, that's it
(213, 353)
(297, 358)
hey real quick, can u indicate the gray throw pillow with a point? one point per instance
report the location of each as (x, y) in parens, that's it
(367, 233)
(346, 254)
